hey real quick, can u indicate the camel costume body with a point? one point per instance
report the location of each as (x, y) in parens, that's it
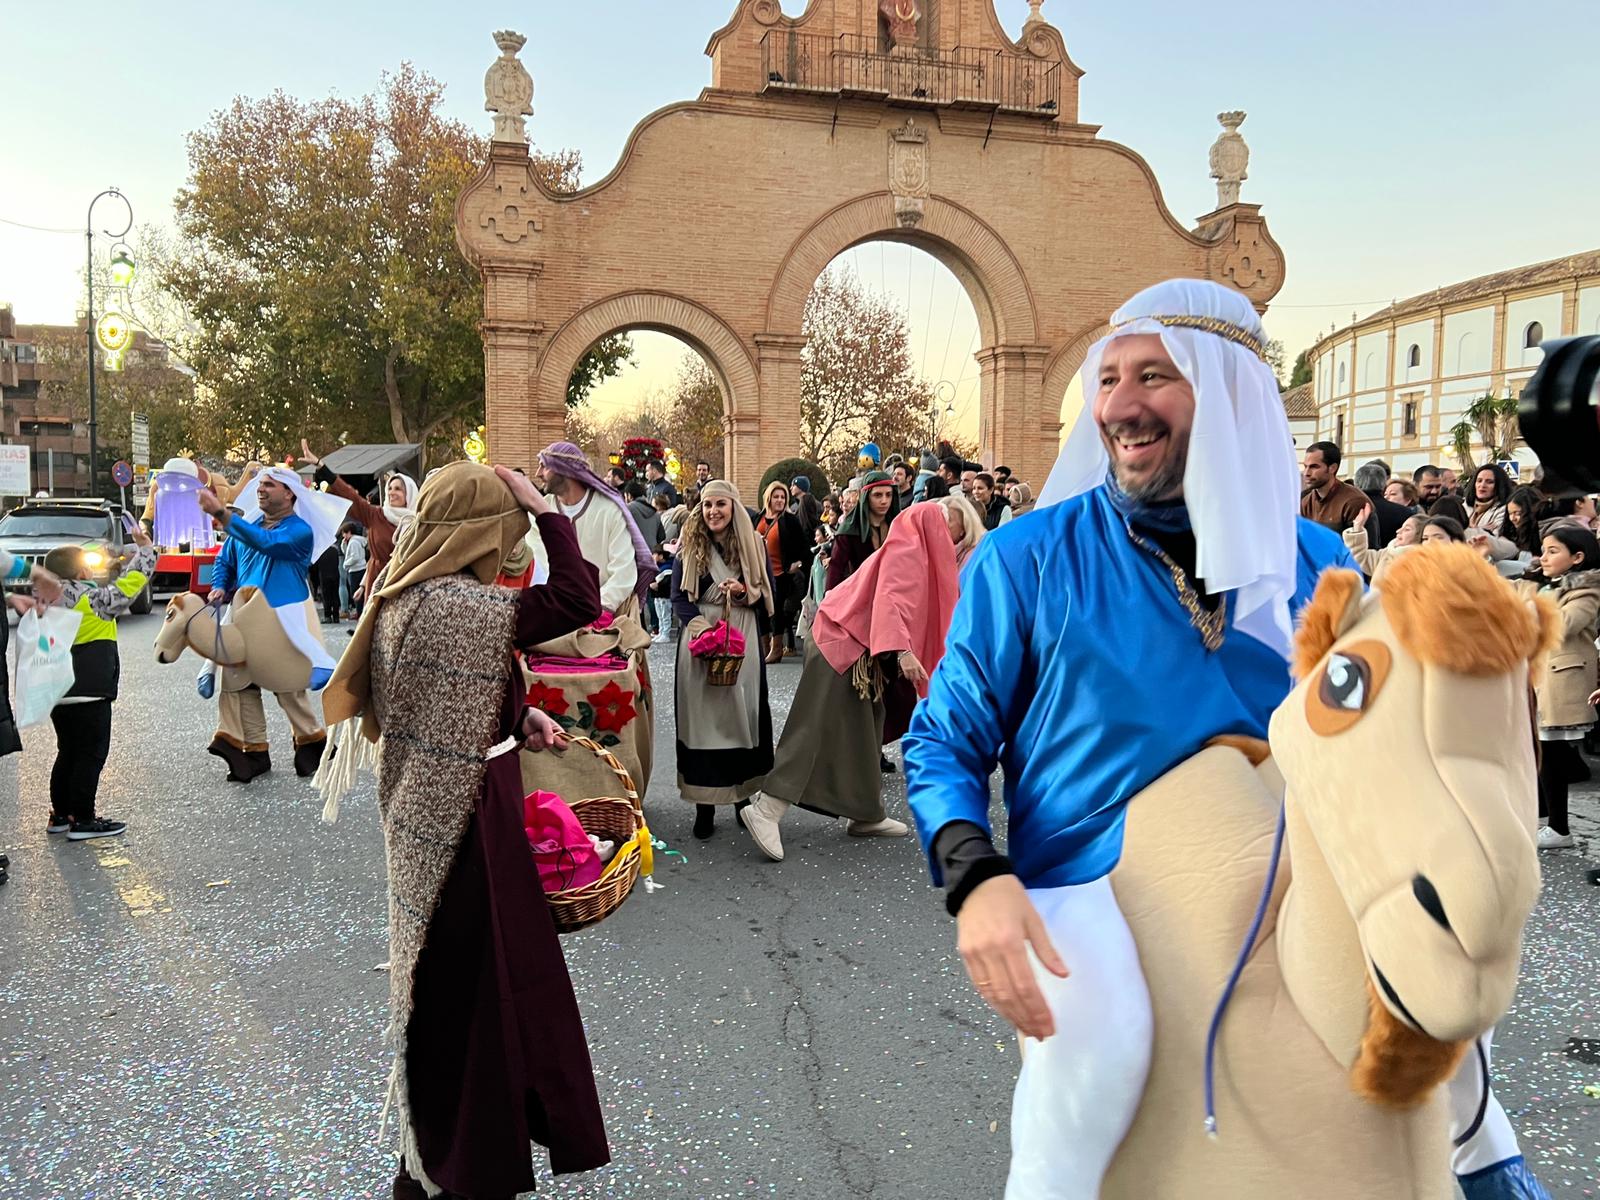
(251, 648)
(1392, 934)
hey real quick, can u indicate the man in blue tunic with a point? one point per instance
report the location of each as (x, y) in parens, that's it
(1143, 609)
(282, 528)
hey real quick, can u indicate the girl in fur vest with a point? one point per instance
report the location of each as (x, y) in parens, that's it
(1568, 561)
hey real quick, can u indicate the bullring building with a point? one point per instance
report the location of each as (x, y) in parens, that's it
(1394, 384)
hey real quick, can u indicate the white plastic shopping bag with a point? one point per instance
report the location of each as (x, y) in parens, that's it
(44, 661)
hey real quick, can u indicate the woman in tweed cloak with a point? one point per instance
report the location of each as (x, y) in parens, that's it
(489, 1045)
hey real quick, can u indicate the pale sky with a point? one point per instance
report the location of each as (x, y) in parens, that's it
(1394, 147)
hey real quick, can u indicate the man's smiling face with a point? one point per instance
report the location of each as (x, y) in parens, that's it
(1145, 409)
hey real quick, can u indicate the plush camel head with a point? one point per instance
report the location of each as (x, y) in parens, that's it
(1408, 747)
(171, 638)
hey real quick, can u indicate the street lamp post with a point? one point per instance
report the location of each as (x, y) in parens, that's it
(946, 391)
(88, 237)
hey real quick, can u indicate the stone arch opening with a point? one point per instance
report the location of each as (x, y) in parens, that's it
(958, 238)
(934, 305)
(691, 323)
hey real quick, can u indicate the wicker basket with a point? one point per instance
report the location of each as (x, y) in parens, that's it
(614, 818)
(722, 670)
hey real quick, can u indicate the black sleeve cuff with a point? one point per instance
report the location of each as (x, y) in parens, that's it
(323, 475)
(980, 871)
(966, 857)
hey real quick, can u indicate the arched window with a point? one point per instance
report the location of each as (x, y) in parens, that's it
(1533, 335)
(1414, 356)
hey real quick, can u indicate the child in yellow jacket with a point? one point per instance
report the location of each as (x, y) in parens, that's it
(83, 717)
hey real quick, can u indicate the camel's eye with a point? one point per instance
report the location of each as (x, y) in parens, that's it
(1345, 682)
(1348, 684)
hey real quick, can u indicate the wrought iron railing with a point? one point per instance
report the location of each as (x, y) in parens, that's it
(855, 66)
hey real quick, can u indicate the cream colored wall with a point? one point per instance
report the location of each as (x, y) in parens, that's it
(1588, 310)
(1546, 309)
(1469, 340)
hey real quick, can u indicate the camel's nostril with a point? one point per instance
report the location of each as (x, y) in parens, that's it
(1428, 896)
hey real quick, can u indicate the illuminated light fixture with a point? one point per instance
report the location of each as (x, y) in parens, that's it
(113, 361)
(476, 445)
(94, 559)
(122, 268)
(113, 332)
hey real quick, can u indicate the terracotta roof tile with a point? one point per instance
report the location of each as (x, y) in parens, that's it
(1298, 402)
(1556, 269)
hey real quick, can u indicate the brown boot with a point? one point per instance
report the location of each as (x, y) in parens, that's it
(774, 650)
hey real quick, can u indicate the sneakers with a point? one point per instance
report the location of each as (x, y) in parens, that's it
(100, 827)
(760, 818)
(888, 827)
(1549, 839)
(57, 824)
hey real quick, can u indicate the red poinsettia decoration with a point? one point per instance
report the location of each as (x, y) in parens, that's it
(548, 699)
(613, 708)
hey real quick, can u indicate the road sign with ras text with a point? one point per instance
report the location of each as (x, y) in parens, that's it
(16, 470)
(141, 439)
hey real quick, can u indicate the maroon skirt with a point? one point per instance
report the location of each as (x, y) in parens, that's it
(496, 1054)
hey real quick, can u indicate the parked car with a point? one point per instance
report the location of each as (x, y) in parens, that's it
(100, 527)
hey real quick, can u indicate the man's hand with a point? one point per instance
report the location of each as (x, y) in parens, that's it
(46, 585)
(540, 731)
(306, 455)
(216, 596)
(993, 930)
(210, 504)
(528, 497)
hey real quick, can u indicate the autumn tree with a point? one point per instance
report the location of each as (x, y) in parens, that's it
(695, 424)
(149, 383)
(857, 381)
(319, 264)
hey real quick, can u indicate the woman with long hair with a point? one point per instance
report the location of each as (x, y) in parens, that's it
(1451, 507)
(864, 528)
(785, 540)
(1488, 494)
(876, 639)
(724, 733)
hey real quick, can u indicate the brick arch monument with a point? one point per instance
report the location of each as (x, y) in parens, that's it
(916, 121)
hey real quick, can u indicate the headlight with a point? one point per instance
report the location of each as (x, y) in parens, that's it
(94, 559)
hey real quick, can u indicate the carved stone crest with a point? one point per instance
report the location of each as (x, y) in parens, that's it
(908, 172)
(508, 217)
(1229, 158)
(508, 89)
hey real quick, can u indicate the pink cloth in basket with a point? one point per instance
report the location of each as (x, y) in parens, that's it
(561, 849)
(721, 638)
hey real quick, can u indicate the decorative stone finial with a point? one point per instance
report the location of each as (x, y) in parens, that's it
(1034, 16)
(1229, 158)
(508, 89)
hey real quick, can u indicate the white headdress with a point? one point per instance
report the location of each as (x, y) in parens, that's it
(324, 513)
(1240, 484)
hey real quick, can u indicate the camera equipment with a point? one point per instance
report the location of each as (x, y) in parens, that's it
(1560, 414)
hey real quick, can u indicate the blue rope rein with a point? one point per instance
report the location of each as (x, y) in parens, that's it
(1238, 970)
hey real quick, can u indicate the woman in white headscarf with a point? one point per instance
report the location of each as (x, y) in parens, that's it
(383, 522)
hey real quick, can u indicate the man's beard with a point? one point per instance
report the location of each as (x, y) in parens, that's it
(1165, 482)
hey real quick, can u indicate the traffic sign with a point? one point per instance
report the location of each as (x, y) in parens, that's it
(141, 439)
(122, 474)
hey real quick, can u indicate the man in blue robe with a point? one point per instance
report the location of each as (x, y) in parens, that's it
(1143, 609)
(282, 529)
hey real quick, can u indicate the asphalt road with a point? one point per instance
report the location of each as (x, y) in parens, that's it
(193, 1010)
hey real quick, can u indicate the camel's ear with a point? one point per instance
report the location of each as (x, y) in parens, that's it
(1334, 608)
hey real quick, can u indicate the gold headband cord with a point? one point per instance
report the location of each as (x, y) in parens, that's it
(1223, 329)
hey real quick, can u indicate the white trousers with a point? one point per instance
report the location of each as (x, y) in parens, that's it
(1080, 1089)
